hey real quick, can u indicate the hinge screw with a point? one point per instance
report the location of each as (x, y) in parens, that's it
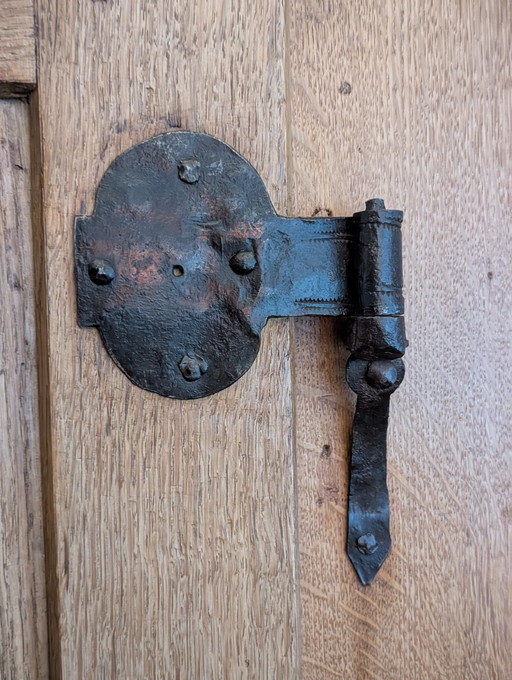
(193, 367)
(244, 262)
(188, 170)
(367, 544)
(101, 272)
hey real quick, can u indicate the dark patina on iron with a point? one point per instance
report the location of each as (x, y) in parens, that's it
(185, 259)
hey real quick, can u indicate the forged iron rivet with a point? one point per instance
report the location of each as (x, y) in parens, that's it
(192, 367)
(367, 544)
(381, 374)
(244, 262)
(375, 204)
(101, 272)
(188, 170)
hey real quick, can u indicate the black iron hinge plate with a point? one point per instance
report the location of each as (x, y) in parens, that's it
(185, 259)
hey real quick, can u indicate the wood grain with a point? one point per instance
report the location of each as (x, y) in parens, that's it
(23, 648)
(17, 47)
(411, 102)
(172, 523)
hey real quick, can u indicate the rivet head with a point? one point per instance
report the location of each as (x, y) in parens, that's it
(189, 170)
(381, 374)
(367, 544)
(193, 367)
(244, 262)
(101, 272)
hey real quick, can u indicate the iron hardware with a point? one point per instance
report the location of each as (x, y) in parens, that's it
(185, 259)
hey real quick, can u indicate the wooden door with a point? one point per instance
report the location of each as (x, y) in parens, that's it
(205, 540)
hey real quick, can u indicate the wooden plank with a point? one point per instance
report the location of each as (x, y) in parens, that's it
(23, 648)
(172, 522)
(17, 47)
(411, 102)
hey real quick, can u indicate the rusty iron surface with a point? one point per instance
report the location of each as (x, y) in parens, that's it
(185, 259)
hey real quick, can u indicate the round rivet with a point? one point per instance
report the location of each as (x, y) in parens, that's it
(101, 272)
(244, 262)
(381, 374)
(192, 367)
(367, 544)
(188, 170)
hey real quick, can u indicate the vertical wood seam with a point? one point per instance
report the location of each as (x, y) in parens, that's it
(42, 354)
(288, 88)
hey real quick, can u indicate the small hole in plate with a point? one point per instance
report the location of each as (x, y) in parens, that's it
(178, 270)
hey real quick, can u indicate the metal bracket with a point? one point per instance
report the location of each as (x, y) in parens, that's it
(185, 259)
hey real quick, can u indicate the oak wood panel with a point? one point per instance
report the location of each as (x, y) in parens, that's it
(411, 102)
(17, 47)
(23, 648)
(172, 522)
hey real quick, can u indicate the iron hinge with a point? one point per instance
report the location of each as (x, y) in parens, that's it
(185, 259)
